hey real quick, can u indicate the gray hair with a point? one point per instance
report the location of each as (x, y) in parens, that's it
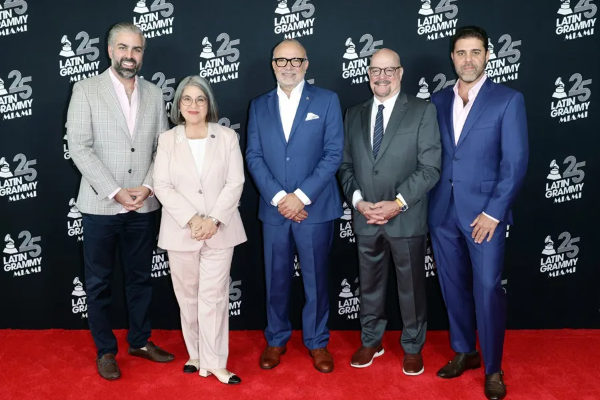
(124, 27)
(202, 84)
(290, 41)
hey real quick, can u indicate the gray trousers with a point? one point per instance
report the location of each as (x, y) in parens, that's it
(408, 255)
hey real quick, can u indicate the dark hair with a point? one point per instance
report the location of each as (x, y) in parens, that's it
(471, 31)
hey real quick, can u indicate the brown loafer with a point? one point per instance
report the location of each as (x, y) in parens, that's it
(365, 355)
(271, 356)
(152, 353)
(107, 367)
(323, 361)
(413, 364)
(494, 388)
(459, 364)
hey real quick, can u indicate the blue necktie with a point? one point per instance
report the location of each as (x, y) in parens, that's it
(378, 133)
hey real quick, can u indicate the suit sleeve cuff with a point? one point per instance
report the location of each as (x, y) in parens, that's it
(356, 197)
(151, 190)
(113, 194)
(280, 195)
(490, 217)
(399, 197)
(303, 198)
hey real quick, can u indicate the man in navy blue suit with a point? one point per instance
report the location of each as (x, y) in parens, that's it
(483, 130)
(295, 146)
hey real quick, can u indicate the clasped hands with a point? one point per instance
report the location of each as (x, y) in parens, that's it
(378, 213)
(202, 228)
(291, 207)
(132, 198)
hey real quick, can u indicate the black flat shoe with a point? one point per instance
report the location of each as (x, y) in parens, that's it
(190, 369)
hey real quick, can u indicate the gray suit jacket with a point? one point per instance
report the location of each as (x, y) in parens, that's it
(408, 163)
(102, 147)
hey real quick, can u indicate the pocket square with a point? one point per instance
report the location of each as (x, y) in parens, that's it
(310, 116)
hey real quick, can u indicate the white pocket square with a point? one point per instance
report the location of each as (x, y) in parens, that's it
(310, 116)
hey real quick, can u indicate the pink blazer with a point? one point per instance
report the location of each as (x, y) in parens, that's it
(184, 193)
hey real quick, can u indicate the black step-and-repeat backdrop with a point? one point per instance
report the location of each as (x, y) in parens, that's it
(549, 50)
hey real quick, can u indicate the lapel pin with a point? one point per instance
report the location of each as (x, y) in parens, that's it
(307, 98)
(212, 136)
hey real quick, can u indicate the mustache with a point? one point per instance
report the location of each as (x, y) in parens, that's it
(131, 60)
(382, 82)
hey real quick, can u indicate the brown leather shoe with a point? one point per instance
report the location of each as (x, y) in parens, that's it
(365, 355)
(459, 364)
(107, 367)
(494, 388)
(270, 357)
(413, 364)
(152, 353)
(323, 361)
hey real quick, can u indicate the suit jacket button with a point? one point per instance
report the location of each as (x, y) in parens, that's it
(129, 171)
(200, 191)
(450, 180)
(375, 172)
(202, 215)
(287, 159)
(455, 159)
(132, 149)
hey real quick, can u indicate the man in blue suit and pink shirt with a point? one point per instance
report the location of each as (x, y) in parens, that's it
(295, 146)
(483, 130)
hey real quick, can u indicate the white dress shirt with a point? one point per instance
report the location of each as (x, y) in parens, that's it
(287, 112)
(198, 146)
(387, 112)
(461, 112)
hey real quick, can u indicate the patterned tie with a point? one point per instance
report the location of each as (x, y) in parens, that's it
(378, 133)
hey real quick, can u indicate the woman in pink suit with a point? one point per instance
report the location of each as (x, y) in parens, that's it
(198, 178)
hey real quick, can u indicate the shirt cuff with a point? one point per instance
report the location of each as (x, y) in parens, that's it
(303, 198)
(151, 190)
(399, 197)
(490, 217)
(113, 194)
(356, 197)
(280, 195)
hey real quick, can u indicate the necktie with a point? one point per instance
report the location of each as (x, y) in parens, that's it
(378, 133)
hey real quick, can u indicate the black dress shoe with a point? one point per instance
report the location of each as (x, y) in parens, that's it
(459, 364)
(189, 369)
(494, 388)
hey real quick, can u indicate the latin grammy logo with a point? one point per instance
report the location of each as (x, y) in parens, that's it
(423, 90)
(66, 49)
(207, 49)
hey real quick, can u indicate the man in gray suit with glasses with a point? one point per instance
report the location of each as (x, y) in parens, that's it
(113, 124)
(392, 158)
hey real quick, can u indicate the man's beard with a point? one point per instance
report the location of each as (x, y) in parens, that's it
(126, 73)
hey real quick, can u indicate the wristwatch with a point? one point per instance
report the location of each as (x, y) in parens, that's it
(403, 207)
(215, 221)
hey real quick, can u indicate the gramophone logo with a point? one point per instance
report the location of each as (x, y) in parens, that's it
(79, 300)
(562, 260)
(346, 231)
(13, 17)
(349, 301)
(576, 22)
(80, 63)
(440, 82)
(423, 90)
(156, 20)
(504, 65)
(574, 104)
(25, 259)
(439, 22)
(75, 222)
(294, 22)
(235, 296)
(15, 96)
(569, 185)
(20, 183)
(356, 65)
(223, 65)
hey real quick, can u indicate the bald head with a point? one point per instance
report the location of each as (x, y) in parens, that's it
(289, 45)
(385, 74)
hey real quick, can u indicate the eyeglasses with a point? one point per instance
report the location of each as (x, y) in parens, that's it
(187, 101)
(283, 62)
(389, 71)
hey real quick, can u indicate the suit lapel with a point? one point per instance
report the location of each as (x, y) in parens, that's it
(365, 121)
(142, 105)
(209, 149)
(273, 104)
(483, 98)
(107, 91)
(184, 153)
(305, 99)
(398, 112)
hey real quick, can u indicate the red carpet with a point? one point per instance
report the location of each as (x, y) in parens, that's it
(58, 364)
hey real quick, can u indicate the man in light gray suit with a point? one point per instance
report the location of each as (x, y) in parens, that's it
(113, 124)
(392, 158)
